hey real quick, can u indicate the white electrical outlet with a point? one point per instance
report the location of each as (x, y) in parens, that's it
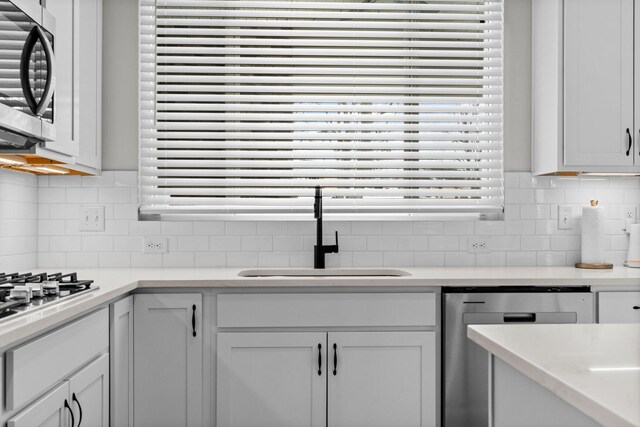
(91, 218)
(156, 245)
(479, 245)
(630, 215)
(565, 218)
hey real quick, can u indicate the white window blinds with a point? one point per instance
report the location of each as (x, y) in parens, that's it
(391, 106)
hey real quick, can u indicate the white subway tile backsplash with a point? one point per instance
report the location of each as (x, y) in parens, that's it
(241, 228)
(193, 243)
(114, 260)
(45, 220)
(96, 243)
(114, 195)
(170, 228)
(382, 243)
(521, 259)
(459, 259)
(178, 260)
(210, 259)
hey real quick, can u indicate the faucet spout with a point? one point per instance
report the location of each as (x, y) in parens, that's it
(320, 250)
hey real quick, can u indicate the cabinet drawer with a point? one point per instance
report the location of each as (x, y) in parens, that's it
(326, 310)
(618, 307)
(42, 363)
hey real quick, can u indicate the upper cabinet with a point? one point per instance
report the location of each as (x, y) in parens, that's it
(583, 87)
(78, 96)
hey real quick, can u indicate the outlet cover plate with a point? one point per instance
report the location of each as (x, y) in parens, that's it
(565, 218)
(478, 245)
(91, 218)
(156, 245)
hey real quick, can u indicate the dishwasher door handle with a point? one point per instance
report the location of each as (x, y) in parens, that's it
(519, 318)
(500, 317)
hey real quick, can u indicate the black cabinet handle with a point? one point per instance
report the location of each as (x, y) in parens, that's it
(335, 359)
(193, 320)
(630, 142)
(75, 399)
(66, 405)
(320, 359)
(636, 307)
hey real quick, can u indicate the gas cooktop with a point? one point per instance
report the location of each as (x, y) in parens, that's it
(26, 292)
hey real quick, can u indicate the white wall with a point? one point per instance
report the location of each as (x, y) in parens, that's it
(18, 221)
(120, 108)
(529, 235)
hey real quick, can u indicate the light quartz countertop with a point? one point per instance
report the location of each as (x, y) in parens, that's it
(595, 368)
(115, 283)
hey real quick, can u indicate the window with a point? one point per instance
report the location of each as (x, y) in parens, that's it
(392, 106)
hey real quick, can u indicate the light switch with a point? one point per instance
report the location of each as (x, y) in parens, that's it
(92, 218)
(565, 218)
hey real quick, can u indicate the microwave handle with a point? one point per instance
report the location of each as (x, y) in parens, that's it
(36, 34)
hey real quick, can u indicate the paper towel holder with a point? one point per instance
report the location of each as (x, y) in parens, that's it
(594, 266)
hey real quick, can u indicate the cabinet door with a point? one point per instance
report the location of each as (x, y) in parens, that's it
(90, 394)
(271, 379)
(90, 84)
(618, 307)
(121, 349)
(598, 82)
(167, 360)
(67, 92)
(382, 379)
(52, 410)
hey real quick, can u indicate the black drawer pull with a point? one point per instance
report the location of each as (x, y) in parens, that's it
(66, 405)
(630, 142)
(335, 359)
(320, 359)
(636, 307)
(75, 399)
(193, 320)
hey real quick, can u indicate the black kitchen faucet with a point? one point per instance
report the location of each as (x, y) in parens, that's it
(320, 250)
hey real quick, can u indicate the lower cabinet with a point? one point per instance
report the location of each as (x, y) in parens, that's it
(272, 379)
(381, 379)
(53, 410)
(82, 400)
(339, 379)
(121, 349)
(168, 370)
(618, 307)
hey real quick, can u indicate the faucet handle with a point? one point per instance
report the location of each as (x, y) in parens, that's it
(336, 247)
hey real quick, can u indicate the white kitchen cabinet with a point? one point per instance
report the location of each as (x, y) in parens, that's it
(295, 379)
(82, 400)
(168, 367)
(287, 376)
(381, 379)
(272, 379)
(618, 307)
(52, 410)
(598, 82)
(90, 394)
(583, 87)
(78, 96)
(121, 348)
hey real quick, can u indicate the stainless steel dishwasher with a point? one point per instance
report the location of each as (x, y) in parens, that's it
(465, 364)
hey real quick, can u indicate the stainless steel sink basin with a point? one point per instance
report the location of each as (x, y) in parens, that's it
(329, 272)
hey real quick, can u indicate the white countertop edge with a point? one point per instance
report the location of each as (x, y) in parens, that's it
(580, 401)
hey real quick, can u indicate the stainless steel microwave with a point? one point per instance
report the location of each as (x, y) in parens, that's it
(27, 74)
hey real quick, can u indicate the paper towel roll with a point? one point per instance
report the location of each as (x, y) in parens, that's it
(633, 257)
(593, 235)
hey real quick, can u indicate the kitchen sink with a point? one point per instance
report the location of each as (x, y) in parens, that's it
(329, 272)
